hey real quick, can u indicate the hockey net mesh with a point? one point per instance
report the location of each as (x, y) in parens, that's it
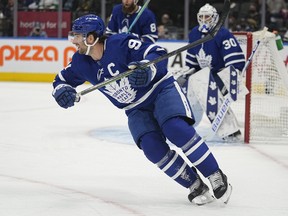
(268, 101)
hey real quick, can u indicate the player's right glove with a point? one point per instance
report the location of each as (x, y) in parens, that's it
(141, 76)
(184, 76)
(64, 95)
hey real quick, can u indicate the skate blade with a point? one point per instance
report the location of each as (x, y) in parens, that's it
(226, 196)
(203, 199)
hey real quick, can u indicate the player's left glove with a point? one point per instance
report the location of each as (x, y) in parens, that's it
(64, 95)
(141, 76)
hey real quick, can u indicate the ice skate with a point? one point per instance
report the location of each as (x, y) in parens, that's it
(199, 193)
(221, 188)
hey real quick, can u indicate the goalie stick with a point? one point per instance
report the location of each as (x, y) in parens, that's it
(209, 36)
(228, 99)
(253, 51)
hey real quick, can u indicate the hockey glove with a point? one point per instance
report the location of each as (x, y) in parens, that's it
(141, 76)
(184, 76)
(64, 95)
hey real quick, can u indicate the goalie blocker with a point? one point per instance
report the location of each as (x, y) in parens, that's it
(204, 96)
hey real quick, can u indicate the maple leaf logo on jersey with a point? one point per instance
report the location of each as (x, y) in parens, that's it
(125, 24)
(124, 30)
(203, 59)
(122, 91)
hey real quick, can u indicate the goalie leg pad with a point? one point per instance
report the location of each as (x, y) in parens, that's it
(196, 108)
(210, 98)
(233, 82)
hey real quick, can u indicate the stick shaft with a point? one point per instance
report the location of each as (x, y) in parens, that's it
(138, 15)
(253, 51)
(208, 37)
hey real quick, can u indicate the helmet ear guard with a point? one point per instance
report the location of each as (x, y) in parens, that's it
(207, 18)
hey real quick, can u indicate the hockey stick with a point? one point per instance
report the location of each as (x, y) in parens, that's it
(228, 99)
(253, 51)
(208, 37)
(247, 63)
(138, 15)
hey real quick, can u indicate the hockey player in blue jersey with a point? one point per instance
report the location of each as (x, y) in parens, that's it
(152, 100)
(123, 16)
(219, 53)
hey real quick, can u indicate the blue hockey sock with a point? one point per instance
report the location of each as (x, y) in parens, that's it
(176, 168)
(183, 135)
(157, 151)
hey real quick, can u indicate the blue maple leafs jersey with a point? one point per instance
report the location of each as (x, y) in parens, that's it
(119, 51)
(218, 53)
(145, 27)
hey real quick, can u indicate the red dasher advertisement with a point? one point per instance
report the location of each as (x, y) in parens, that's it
(48, 21)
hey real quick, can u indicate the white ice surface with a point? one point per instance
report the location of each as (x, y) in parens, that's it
(82, 162)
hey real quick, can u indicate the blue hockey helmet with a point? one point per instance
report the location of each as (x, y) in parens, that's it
(89, 24)
(207, 18)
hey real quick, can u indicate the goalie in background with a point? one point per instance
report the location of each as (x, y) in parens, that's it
(219, 53)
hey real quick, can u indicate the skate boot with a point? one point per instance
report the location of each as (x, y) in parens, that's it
(199, 193)
(221, 188)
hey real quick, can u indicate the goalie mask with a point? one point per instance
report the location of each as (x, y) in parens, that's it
(207, 18)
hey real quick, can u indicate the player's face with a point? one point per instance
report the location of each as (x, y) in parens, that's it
(128, 6)
(205, 18)
(78, 41)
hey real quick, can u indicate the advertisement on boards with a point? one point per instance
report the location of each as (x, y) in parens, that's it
(23, 59)
(51, 55)
(48, 21)
(35, 56)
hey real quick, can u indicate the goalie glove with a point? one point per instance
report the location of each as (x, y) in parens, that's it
(141, 76)
(64, 95)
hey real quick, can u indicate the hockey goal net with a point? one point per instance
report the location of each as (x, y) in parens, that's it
(263, 113)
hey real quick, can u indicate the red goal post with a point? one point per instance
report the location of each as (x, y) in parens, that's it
(263, 113)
